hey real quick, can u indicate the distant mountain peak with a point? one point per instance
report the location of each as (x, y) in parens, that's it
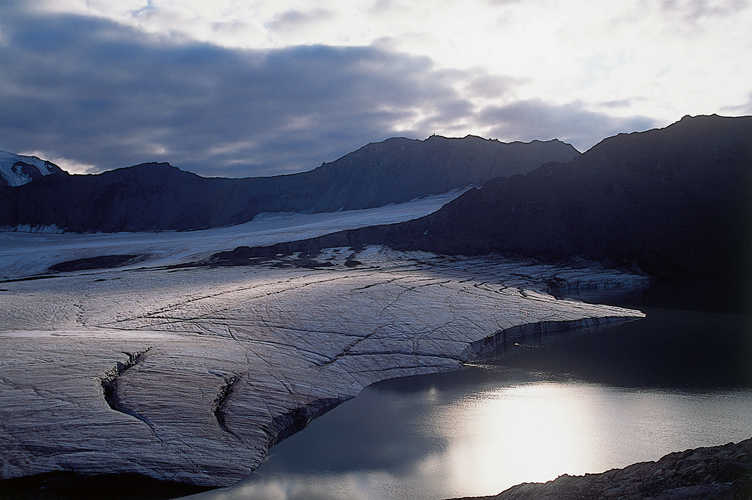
(17, 170)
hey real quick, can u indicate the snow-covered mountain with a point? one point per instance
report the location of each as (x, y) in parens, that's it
(17, 170)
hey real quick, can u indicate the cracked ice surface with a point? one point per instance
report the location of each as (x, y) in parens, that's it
(204, 368)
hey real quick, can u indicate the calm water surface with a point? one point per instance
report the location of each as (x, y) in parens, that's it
(585, 402)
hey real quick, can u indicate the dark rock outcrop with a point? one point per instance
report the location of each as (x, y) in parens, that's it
(157, 196)
(719, 472)
(674, 202)
(400, 169)
(98, 262)
(151, 196)
(670, 201)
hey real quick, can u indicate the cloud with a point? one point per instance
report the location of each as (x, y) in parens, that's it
(693, 11)
(70, 166)
(571, 122)
(737, 109)
(483, 84)
(104, 94)
(693, 19)
(618, 103)
(96, 92)
(295, 19)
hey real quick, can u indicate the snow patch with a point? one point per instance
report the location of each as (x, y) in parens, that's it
(28, 228)
(11, 168)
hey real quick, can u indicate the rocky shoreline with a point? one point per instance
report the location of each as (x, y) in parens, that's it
(718, 473)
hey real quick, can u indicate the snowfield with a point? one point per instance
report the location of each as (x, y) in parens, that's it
(11, 168)
(192, 374)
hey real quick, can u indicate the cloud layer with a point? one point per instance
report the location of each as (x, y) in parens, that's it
(110, 96)
(90, 91)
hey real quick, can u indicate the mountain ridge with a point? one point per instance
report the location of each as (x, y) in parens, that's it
(674, 202)
(158, 196)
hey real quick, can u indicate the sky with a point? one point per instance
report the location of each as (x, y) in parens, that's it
(248, 88)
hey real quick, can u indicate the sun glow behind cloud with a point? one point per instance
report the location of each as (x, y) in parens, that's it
(70, 166)
(513, 70)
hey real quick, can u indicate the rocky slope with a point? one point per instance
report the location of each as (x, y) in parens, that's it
(157, 196)
(673, 202)
(670, 201)
(719, 472)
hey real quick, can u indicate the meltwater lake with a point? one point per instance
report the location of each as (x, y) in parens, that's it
(578, 403)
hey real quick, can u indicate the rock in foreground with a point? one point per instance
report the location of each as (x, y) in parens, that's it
(718, 473)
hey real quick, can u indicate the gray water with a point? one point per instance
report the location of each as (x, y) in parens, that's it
(582, 403)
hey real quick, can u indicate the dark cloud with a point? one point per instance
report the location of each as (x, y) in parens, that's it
(381, 6)
(99, 93)
(572, 122)
(110, 96)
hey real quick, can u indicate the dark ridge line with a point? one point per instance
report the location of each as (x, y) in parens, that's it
(220, 403)
(117, 200)
(110, 384)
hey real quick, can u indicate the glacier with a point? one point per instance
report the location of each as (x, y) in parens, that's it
(193, 373)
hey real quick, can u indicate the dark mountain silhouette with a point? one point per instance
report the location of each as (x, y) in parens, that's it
(157, 196)
(673, 202)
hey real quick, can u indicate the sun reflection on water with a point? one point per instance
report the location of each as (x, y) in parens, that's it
(451, 443)
(528, 433)
(538, 431)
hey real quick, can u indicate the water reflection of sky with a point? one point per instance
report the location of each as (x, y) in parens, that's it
(478, 439)
(649, 391)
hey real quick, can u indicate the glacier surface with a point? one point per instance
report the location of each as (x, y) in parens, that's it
(191, 374)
